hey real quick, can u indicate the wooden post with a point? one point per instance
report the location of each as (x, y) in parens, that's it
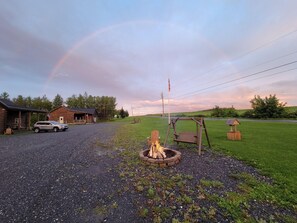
(168, 130)
(162, 97)
(200, 141)
(168, 102)
(29, 121)
(206, 134)
(20, 120)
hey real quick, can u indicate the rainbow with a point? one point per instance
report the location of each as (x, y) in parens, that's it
(101, 31)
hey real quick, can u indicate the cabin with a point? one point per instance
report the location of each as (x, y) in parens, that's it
(68, 115)
(14, 116)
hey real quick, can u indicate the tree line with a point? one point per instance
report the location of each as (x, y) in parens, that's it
(262, 108)
(105, 105)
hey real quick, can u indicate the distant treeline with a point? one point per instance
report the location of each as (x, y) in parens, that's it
(262, 108)
(105, 105)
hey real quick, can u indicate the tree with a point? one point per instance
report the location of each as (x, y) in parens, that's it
(81, 101)
(90, 101)
(269, 107)
(123, 113)
(217, 112)
(42, 103)
(105, 105)
(231, 112)
(224, 112)
(58, 101)
(20, 100)
(4, 95)
(72, 101)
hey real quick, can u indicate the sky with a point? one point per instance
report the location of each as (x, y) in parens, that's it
(215, 53)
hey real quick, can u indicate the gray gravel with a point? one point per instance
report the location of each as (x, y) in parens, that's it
(58, 177)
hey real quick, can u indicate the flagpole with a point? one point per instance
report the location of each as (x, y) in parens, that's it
(169, 121)
(168, 102)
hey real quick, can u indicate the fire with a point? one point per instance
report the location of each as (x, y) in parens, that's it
(156, 151)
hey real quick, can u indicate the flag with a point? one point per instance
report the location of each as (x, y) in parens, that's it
(168, 85)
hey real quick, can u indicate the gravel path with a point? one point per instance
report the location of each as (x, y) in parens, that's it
(58, 177)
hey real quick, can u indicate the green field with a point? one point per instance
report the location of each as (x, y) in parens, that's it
(268, 146)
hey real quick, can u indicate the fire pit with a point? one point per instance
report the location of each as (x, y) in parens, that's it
(173, 157)
(157, 155)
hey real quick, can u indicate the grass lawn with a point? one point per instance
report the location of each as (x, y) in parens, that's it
(268, 146)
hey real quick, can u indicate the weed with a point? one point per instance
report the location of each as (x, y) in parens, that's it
(143, 212)
(151, 192)
(211, 183)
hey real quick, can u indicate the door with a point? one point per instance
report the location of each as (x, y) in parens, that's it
(61, 119)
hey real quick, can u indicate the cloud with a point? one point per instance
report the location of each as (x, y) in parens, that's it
(24, 53)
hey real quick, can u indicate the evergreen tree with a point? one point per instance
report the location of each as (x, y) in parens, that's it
(19, 100)
(58, 101)
(72, 101)
(4, 95)
(122, 113)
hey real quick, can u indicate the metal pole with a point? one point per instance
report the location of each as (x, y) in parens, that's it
(168, 101)
(162, 97)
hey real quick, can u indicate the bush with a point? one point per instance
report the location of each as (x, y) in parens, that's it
(224, 112)
(292, 115)
(248, 114)
(269, 107)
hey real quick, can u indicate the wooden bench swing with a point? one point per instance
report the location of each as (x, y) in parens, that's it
(189, 137)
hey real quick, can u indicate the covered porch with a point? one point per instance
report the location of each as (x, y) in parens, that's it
(17, 117)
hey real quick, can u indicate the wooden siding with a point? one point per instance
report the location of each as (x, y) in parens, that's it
(64, 112)
(70, 116)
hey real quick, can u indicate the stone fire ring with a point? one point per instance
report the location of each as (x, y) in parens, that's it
(173, 158)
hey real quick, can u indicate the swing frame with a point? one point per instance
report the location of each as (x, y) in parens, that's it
(189, 137)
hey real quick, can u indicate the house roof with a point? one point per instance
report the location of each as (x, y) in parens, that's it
(90, 111)
(9, 105)
(232, 122)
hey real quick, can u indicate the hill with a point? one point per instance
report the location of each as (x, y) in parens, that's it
(207, 112)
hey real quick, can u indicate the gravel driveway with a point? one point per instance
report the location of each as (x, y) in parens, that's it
(58, 177)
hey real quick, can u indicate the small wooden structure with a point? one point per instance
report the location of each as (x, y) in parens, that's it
(154, 137)
(233, 134)
(156, 150)
(136, 120)
(190, 137)
(8, 131)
